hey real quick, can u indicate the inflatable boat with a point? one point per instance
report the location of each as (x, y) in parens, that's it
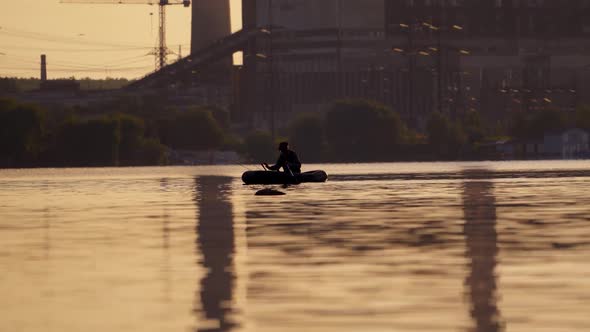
(272, 177)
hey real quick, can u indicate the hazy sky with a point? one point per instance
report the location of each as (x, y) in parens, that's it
(87, 40)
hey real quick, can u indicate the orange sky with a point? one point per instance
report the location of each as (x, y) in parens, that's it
(87, 40)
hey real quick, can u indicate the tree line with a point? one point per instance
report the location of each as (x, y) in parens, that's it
(19, 85)
(31, 136)
(365, 131)
(135, 133)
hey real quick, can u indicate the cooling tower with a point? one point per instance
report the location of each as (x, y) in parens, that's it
(211, 21)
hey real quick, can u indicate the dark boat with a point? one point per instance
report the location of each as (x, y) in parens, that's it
(271, 177)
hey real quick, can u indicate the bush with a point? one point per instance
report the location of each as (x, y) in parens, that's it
(446, 139)
(107, 141)
(220, 115)
(471, 122)
(21, 131)
(582, 117)
(193, 130)
(547, 121)
(537, 124)
(307, 137)
(363, 130)
(151, 152)
(88, 143)
(131, 132)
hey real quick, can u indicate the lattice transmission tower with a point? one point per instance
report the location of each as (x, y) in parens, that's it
(161, 52)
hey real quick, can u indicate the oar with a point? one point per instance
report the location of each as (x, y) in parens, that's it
(262, 164)
(291, 173)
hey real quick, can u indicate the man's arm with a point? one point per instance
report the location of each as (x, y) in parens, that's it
(279, 164)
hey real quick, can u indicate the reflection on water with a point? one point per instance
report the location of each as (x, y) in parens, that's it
(215, 242)
(175, 249)
(482, 253)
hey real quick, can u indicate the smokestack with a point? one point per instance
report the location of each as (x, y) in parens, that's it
(211, 21)
(43, 68)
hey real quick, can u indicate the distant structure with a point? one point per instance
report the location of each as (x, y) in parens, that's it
(43, 68)
(61, 86)
(313, 52)
(416, 56)
(420, 56)
(210, 22)
(313, 15)
(161, 51)
(505, 57)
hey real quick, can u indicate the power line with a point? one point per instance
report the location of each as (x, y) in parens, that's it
(74, 50)
(98, 70)
(81, 70)
(9, 57)
(113, 64)
(19, 63)
(161, 51)
(122, 66)
(120, 2)
(16, 33)
(118, 63)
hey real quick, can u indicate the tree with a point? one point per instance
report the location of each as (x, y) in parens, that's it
(8, 85)
(259, 147)
(471, 122)
(220, 115)
(151, 152)
(307, 137)
(446, 139)
(519, 126)
(88, 143)
(195, 129)
(360, 130)
(107, 141)
(537, 124)
(7, 104)
(582, 117)
(135, 148)
(21, 131)
(546, 121)
(131, 133)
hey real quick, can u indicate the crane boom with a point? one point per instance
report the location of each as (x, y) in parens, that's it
(186, 3)
(161, 51)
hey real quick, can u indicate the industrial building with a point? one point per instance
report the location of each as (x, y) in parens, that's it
(418, 56)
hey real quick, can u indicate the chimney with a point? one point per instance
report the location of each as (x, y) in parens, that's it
(43, 68)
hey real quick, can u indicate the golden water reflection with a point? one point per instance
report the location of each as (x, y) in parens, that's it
(481, 239)
(472, 252)
(215, 243)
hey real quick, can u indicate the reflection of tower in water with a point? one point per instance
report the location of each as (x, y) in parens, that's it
(482, 251)
(215, 243)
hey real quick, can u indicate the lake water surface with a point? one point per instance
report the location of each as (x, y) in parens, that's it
(380, 247)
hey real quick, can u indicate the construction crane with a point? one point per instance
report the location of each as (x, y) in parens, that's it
(162, 51)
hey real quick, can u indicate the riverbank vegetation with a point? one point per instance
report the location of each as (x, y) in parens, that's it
(19, 85)
(126, 133)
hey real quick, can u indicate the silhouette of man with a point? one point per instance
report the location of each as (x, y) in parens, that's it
(288, 160)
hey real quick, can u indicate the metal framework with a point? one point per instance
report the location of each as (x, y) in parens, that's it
(161, 52)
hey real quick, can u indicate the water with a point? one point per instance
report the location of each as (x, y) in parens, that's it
(382, 247)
